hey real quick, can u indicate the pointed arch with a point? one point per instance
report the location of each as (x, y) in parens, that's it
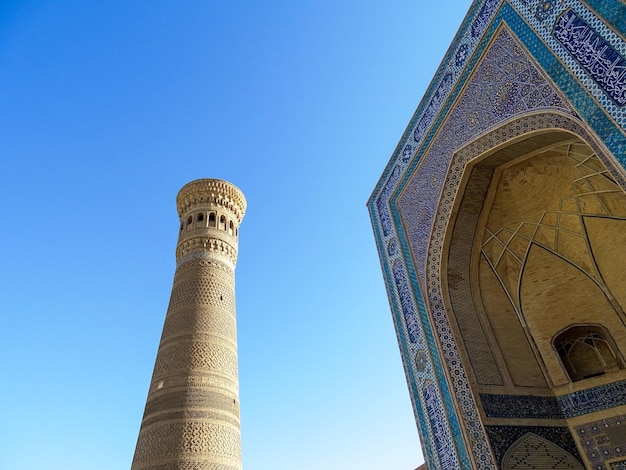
(587, 351)
(534, 452)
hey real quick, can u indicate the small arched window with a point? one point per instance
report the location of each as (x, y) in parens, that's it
(587, 351)
(200, 217)
(223, 222)
(189, 221)
(212, 219)
(231, 227)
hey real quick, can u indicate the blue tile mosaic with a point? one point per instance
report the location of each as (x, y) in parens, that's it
(593, 399)
(546, 407)
(505, 84)
(381, 202)
(489, 107)
(612, 11)
(566, 51)
(520, 406)
(596, 443)
(503, 437)
(408, 308)
(443, 441)
(422, 373)
(555, 77)
(605, 65)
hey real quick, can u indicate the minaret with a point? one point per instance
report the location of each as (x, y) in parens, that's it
(191, 419)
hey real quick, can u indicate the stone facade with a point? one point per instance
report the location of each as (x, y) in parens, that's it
(500, 222)
(191, 419)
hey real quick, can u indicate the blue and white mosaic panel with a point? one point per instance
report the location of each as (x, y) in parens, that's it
(595, 55)
(586, 45)
(436, 432)
(479, 17)
(507, 83)
(593, 399)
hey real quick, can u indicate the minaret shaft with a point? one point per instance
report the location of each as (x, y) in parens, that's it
(191, 419)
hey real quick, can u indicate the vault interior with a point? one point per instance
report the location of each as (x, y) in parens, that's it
(536, 248)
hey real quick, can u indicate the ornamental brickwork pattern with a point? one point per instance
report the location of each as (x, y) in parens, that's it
(202, 291)
(191, 466)
(191, 419)
(194, 356)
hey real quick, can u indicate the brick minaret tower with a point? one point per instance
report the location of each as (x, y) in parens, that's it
(191, 419)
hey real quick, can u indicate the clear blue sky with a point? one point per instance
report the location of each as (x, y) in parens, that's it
(106, 110)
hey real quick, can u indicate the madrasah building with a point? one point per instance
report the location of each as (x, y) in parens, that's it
(500, 221)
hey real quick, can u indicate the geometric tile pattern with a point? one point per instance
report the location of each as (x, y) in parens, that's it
(506, 83)
(595, 55)
(503, 439)
(533, 452)
(441, 322)
(553, 76)
(430, 398)
(588, 47)
(566, 406)
(519, 85)
(443, 442)
(593, 399)
(520, 406)
(597, 443)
